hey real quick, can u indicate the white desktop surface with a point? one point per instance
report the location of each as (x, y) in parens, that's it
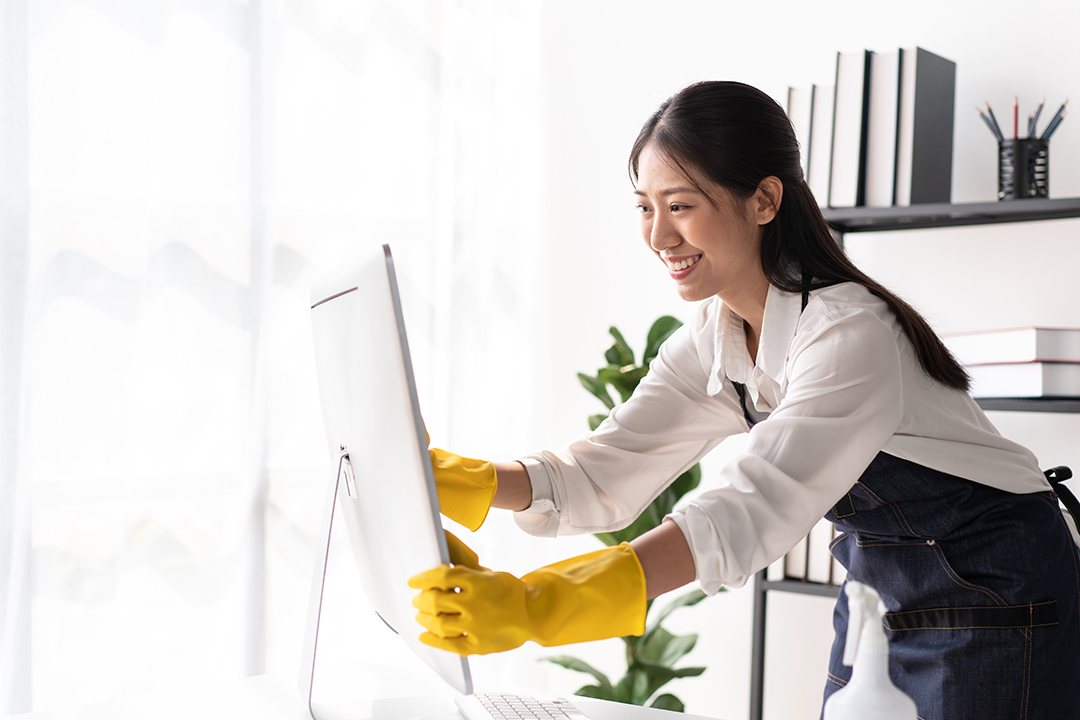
(354, 691)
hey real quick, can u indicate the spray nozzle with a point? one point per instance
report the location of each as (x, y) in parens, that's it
(865, 612)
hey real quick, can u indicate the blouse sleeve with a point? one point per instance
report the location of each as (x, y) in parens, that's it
(603, 481)
(843, 402)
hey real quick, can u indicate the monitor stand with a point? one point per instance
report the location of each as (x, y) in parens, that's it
(318, 577)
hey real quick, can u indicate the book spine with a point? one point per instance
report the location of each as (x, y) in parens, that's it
(932, 142)
(820, 157)
(881, 129)
(848, 170)
(905, 127)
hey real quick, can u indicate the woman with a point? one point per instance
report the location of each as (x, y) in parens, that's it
(856, 412)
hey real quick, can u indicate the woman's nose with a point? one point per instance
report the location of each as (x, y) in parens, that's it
(662, 234)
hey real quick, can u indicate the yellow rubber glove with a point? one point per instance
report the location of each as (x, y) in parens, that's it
(460, 553)
(465, 486)
(475, 611)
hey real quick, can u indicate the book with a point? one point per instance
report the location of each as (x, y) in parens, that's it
(799, 111)
(820, 155)
(1028, 379)
(924, 141)
(1015, 345)
(819, 559)
(795, 562)
(775, 571)
(881, 129)
(847, 173)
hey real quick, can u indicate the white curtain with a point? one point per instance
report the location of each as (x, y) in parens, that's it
(172, 175)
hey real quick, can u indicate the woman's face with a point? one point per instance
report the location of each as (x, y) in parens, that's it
(707, 250)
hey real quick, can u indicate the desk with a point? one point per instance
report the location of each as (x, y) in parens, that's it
(355, 692)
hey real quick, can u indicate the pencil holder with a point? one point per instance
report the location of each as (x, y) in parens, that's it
(1022, 169)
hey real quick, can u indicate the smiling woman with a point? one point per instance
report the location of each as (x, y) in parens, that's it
(855, 412)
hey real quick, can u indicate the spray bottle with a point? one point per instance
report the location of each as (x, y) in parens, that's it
(870, 694)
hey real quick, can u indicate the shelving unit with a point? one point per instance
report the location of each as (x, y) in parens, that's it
(863, 219)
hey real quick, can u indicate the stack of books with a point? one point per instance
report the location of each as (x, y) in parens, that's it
(1027, 362)
(882, 134)
(811, 560)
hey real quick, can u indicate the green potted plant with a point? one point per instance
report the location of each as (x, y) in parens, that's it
(651, 658)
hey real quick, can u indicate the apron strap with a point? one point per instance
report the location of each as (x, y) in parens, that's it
(1056, 476)
(741, 389)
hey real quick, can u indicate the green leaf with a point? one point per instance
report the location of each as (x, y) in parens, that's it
(618, 379)
(679, 646)
(660, 675)
(691, 598)
(633, 688)
(667, 701)
(598, 389)
(622, 351)
(660, 331)
(654, 645)
(573, 663)
(595, 691)
(595, 420)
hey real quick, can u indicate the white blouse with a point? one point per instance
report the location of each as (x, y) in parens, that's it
(839, 381)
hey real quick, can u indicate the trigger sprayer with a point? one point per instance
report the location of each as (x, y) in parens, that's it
(870, 694)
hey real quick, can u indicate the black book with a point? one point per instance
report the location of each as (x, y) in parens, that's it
(924, 142)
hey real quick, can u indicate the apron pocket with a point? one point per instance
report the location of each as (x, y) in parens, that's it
(1032, 615)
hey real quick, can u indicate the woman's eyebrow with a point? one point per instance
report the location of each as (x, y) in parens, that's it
(670, 191)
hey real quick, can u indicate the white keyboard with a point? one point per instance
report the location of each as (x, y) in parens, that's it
(517, 707)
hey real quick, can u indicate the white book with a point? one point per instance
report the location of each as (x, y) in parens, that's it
(819, 559)
(1015, 345)
(1025, 380)
(775, 571)
(846, 176)
(795, 562)
(799, 111)
(839, 572)
(881, 129)
(820, 155)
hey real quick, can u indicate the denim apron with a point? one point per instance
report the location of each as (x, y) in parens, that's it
(981, 588)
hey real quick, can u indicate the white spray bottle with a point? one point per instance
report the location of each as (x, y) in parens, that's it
(870, 694)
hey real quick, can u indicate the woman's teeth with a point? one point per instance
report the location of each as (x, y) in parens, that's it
(685, 263)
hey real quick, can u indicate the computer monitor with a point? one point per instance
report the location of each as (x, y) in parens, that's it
(382, 484)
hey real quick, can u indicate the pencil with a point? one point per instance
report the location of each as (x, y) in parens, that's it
(1054, 120)
(994, 130)
(997, 128)
(1053, 126)
(1035, 120)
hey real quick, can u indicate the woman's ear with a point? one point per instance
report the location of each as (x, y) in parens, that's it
(766, 202)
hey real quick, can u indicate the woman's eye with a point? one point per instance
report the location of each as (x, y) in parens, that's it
(641, 208)
(677, 208)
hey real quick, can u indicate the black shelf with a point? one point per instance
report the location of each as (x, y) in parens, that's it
(802, 587)
(939, 215)
(1038, 404)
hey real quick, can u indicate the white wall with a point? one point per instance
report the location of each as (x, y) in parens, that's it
(609, 64)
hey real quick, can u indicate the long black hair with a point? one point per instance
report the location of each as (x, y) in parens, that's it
(734, 135)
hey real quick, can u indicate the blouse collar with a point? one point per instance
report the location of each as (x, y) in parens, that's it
(731, 358)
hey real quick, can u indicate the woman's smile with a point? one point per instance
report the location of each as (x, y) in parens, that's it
(680, 267)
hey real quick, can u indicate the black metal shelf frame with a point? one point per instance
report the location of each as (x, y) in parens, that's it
(863, 219)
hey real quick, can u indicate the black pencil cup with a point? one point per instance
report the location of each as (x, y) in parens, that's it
(1023, 166)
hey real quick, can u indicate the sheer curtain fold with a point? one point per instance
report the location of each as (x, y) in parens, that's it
(15, 594)
(173, 174)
